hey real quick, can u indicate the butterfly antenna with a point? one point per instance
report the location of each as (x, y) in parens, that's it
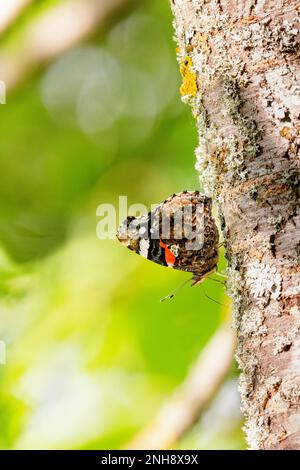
(214, 300)
(216, 280)
(172, 293)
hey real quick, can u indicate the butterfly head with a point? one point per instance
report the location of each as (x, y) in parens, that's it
(131, 231)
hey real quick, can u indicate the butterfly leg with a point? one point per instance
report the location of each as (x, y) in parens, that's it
(198, 279)
(221, 275)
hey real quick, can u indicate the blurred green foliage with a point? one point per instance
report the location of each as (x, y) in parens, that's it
(91, 352)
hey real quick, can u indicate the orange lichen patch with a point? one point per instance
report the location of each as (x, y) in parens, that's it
(201, 41)
(189, 85)
(246, 20)
(249, 19)
(290, 133)
(249, 245)
(270, 183)
(276, 190)
(218, 159)
(265, 64)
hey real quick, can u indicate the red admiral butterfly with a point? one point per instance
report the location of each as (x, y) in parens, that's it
(179, 233)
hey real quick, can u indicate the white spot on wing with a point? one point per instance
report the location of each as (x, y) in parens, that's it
(144, 247)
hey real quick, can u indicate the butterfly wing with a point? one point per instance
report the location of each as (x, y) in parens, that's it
(137, 234)
(166, 234)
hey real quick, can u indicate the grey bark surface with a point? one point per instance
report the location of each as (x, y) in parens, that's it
(240, 66)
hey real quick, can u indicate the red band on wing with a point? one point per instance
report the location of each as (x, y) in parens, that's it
(169, 256)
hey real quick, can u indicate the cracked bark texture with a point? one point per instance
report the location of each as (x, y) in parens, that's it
(240, 65)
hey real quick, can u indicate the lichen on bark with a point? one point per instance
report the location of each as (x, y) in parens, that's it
(245, 58)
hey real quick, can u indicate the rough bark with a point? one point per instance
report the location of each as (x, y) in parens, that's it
(240, 65)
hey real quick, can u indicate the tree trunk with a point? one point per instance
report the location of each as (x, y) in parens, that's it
(240, 64)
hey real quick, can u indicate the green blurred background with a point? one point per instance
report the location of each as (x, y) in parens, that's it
(91, 352)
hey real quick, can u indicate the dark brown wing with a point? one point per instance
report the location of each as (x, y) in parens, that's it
(166, 234)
